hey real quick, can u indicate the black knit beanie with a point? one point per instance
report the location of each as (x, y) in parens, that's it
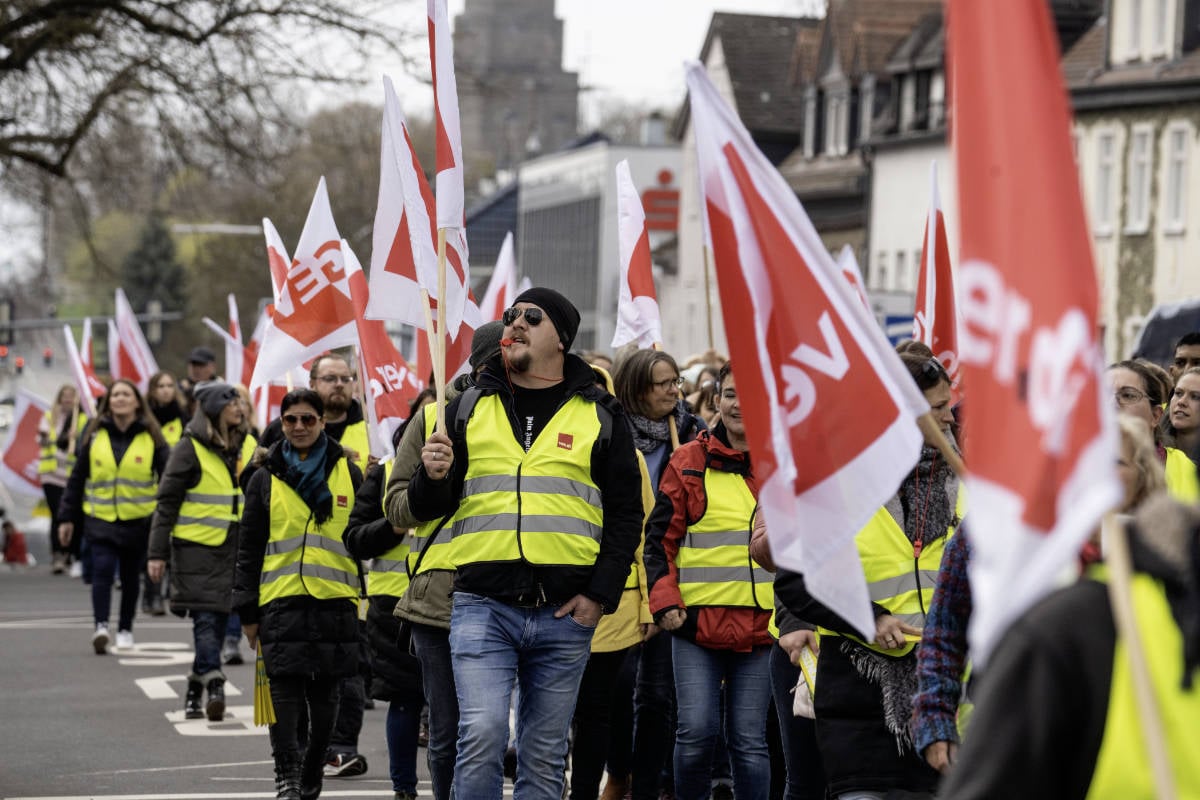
(559, 309)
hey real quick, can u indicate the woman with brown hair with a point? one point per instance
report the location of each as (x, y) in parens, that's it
(111, 497)
(58, 432)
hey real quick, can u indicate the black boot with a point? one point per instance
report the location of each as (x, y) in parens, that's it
(191, 703)
(311, 774)
(287, 779)
(215, 710)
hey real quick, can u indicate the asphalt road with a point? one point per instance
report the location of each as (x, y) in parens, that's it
(77, 725)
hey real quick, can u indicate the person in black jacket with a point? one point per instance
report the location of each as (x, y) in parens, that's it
(549, 514)
(110, 496)
(296, 588)
(196, 527)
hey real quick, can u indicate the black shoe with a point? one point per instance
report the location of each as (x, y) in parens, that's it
(510, 764)
(215, 710)
(310, 779)
(287, 781)
(191, 703)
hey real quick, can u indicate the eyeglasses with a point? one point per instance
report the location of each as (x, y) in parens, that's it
(533, 315)
(332, 379)
(307, 420)
(668, 383)
(1128, 396)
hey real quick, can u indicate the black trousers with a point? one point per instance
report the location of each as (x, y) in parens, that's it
(294, 698)
(599, 707)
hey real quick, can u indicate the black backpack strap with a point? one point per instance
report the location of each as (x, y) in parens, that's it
(416, 567)
(466, 407)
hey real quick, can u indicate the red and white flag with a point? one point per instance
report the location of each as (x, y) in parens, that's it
(86, 352)
(133, 356)
(277, 258)
(89, 386)
(637, 304)
(502, 288)
(314, 312)
(404, 239)
(935, 321)
(19, 464)
(1043, 446)
(830, 411)
(266, 399)
(235, 361)
(451, 209)
(388, 380)
(848, 265)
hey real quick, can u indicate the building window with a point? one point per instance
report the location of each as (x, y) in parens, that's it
(866, 107)
(810, 122)
(1137, 201)
(1134, 49)
(901, 271)
(937, 100)
(836, 122)
(1106, 176)
(881, 271)
(1175, 199)
(908, 102)
(1158, 45)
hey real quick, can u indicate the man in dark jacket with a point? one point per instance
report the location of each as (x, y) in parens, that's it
(549, 513)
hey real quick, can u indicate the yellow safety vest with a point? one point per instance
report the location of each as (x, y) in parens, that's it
(1180, 472)
(50, 458)
(354, 437)
(173, 431)
(303, 558)
(541, 506)
(215, 501)
(439, 555)
(898, 578)
(389, 572)
(714, 563)
(122, 491)
(1122, 766)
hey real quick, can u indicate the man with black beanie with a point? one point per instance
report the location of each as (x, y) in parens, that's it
(541, 476)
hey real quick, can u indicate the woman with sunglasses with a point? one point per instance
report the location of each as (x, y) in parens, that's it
(1137, 392)
(111, 497)
(865, 687)
(296, 588)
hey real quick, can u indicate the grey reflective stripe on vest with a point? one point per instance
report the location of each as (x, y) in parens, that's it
(704, 541)
(211, 499)
(293, 543)
(539, 484)
(102, 501)
(891, 587)
(389, 565)
(132, 483)
(211, 522)
(531, 523)
(311, 571)
(914, 620)
(723, 575)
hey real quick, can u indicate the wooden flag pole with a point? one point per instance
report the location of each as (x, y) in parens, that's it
(433, 354)
(708, 295)
(441, 332)
(932, 430)
(1120, 592)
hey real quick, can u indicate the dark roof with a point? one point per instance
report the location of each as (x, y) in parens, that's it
(861, 35)
(1085, 66)
(923, 48)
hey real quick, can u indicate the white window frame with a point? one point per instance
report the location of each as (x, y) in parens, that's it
(866, 107)
(901, 271)
(1160, 28)
(908, 102)
(1133, 46)
(810, 122)
(937, 100)
(1104, 205)
(1139, 175)
(836, 122)
(880, 272)
(1177, 145)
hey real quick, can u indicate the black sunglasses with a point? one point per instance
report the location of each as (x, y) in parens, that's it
(307, 420)
(533, 315)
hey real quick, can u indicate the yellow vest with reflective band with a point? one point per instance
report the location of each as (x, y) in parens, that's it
(541, 506)
(389, 572)
(441, 550)
(714, 564)
(50, 458)
(1122, 766)
(215, 501)
(354, 437)
(173, 431)
(122, 491)
(1182, 483)
(303, 558)
(898, 578)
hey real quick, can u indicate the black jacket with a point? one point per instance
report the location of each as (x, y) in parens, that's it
(201, 575)
(300, 635)
(395, 673)
(123, 533)
(615, 471)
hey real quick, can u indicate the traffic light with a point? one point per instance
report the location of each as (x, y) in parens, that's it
(48, 357)
(19, 363)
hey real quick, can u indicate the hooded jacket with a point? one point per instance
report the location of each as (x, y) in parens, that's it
(614, 470)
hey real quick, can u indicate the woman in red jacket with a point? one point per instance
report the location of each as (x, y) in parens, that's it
(716, 600)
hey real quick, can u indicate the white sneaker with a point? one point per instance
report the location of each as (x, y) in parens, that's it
(76, 569)
(124, 640)
(100, 638)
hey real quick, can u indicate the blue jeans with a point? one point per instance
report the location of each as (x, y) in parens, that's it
(432, 648)
(699, 673)
(403, 727)
(491, 644)
(208, 631)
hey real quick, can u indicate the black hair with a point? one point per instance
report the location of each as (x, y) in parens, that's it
(723, 372)
(297, 396)
(1188, 340)
(926, 371)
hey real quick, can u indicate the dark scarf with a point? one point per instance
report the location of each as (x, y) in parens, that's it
(925, 502)
(307, 477)
(650, 434)
(167, 412)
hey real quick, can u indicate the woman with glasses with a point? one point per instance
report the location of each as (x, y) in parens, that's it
(110, 496)
(296, 588)
(648, 385)
(1137, 392)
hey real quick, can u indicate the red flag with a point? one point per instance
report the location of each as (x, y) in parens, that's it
(637, 305)
(86, 354)
(131, 358)
(451, 211)
(89, 386)
(502, 288)
(1042, 444)
(277, 258)
(935, 321)
(829, 410)
(848, 264)
(19, 464)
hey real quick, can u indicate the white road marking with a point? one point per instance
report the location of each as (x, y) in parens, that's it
(239, 721)
(156, 654)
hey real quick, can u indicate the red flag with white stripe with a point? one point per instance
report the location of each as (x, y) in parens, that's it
(935, 320)
(277, 258)
(132, 356)
(234, 349)
(86, 352)
(830, 412)
(502, 288)
(637, 304)
(451, 210)
(1043, 446)
(89, 386)
(19, 463)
